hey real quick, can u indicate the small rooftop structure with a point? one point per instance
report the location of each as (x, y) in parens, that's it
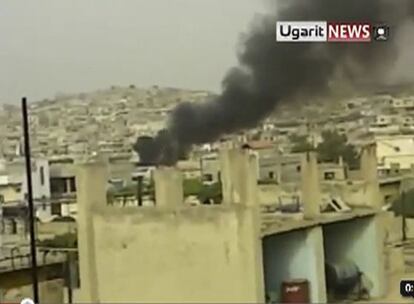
(258, 145)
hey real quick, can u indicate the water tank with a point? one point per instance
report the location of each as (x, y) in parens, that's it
(295, 291)
(342, 277)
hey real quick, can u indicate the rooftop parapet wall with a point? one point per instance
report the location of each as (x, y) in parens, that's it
(168, 187)
(239, 174)
(311, 193)
(180, 256)
(171, 252)
(369, 173)
(91, 182)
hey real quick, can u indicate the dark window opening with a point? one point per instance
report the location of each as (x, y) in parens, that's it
(42, 176)
(58, 185)
(13, 226)
(271, 175)
(208, 177)
(56, 209)
(72, 183)
(329, 175)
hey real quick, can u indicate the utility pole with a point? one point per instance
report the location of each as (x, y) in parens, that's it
(26, 132)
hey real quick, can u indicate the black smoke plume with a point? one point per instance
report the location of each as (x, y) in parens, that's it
(271, 73)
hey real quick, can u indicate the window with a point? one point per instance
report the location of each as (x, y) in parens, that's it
(271, 175)
(57, 185)
(208, 177)
(42, 176)
(329, 175)
(72, 183)
(56, 209)
(298, 168)
(13, 226)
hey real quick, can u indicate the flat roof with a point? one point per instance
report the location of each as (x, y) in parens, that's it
(285, 223)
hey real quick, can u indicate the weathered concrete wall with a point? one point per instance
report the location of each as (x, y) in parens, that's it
(208, 254)
(393, 227)
(295, 255)
(369, 165)
(395, 260)
(362, 241)
(56, 228)
(170, 252)
(91, 180)
(76, 297)
(49, 292)
(311, 194)
(409, 224)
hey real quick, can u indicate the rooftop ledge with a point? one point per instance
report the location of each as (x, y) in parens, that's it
(280, 224)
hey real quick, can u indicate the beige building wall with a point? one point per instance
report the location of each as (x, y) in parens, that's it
(10, 193)
(201, 254)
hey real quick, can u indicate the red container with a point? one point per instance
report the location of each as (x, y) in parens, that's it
(295, 291)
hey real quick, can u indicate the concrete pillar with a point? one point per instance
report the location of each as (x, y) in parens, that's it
(368, 253)
(369, 173)
(251, 197)
(226, 169)
(396, 262)
(91, 182)
(314, 243)
(168, 187)
(239, 174)
(68, 187)
(311, 194)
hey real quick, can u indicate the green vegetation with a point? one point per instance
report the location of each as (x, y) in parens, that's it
(68, 240)
(192, 186)
(300, 143)
(333, 146)
(212, 192)
(408, 208)
(203, 192)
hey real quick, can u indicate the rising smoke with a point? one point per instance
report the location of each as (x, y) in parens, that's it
(271, 73)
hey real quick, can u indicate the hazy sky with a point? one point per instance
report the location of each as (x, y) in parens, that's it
(50, 46)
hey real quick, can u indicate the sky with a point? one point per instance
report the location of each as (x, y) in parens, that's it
(50, 47)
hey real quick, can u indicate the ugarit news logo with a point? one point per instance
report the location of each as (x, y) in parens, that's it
(323, 31)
